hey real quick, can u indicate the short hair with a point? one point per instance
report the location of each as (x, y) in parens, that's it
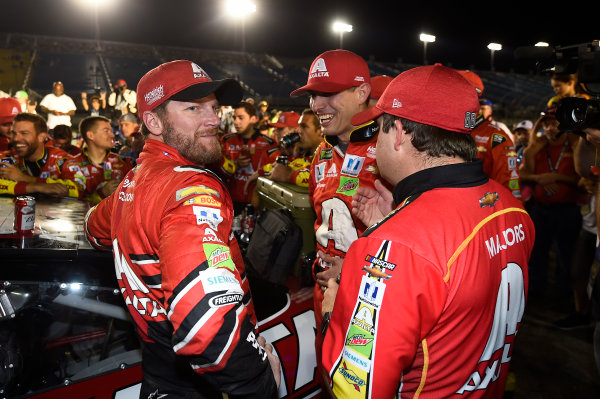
(39, 123)
(249, 107)
(89, 123)
(315, 118)
(434, 141)
(62, 132)
(161, 111)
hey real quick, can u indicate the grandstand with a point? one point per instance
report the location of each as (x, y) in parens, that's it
(32, 63)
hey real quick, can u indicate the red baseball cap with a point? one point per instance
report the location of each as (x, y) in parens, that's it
(474, 79)
(9, 108)
(286, 119)
(183, 80)
(121, 82)
(432, 95)
(378, 85)
(334, 71)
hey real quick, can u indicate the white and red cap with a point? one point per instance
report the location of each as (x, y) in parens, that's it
(183, 81)
(432, 95)
(286, 119)
(334, 71)
(9, 108)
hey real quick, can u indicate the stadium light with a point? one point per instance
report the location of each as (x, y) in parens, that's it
(341, 28)
(240, 10)
(542, 44)
(426, 38)
(493, 48)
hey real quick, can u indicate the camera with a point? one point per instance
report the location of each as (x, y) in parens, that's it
(289, 140)
(574, 113)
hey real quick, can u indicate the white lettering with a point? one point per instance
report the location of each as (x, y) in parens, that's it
(510, 237)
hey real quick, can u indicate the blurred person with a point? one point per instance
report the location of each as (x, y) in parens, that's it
(63, 139)
(549, 166)
(338, 85)
(243, 154)
(408, 304)
(494, 146)
(9, 108)
(30, 166)
(263, 111)
(58, 106)
(128, 125)
(565, 85)
(96, 170)
(98, 104)
(225, 113)
(23, 99)
(169, 226)
(122, 100)
(378, 85)
(522, 133)
(486, 109)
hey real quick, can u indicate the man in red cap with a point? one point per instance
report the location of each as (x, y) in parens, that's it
(494, 146)
(122, 99)
(431, 296)
(9, 108)
(378, 85)
(177, 262)
(339, 87)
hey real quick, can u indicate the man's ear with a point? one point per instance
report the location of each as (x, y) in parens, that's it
(153, 123)
(401, 135)
(363, 91)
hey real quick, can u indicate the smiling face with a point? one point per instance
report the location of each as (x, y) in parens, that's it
(26, 142)
(335, 110)
(191, 127)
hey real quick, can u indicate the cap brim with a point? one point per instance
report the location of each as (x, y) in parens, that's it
(319, 87)
(367, 115)
(227, 91)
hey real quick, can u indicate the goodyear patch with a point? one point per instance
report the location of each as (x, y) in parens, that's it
(185, 192)
(348, 185)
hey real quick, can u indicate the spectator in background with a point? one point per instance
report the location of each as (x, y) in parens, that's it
(243, 154)
(522, 133)
(225, 113)
(27, 104)
(494, 146)
(122, 100)
(263, 111)
(63, 139)
(32, 167)
(486, 108)
(128, 126)
(9, 108)
(548, 165)
(98, 104)
(59, 106)
(565, 85)
(97, 171)
(378, 85)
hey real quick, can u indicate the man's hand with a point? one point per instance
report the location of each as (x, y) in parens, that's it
(249, 181)
(281, 173)
(11, 172)
(593, 136)
(369, 205)
(109, 187)
(332, 272)
(329, 296)
(47, 188)
(273, 360)
(243, 161)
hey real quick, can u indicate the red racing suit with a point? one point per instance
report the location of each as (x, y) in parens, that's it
(334, 178)
(47, 169)
(233, 145)
(431, 297)
(91, 178)
(182, 276)
(499, 156)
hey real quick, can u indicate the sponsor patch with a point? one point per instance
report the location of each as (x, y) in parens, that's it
(210, 216)
(371, 291)
(348, 185)
(225, 299)
(352, 165)
(489, 199)
(326, 153)
(218, 256)
(185, 192)
(219, 279)
(319, 171)
(205, 200)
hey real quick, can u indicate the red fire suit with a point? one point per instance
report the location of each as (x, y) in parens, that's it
(47, 169)
(497, 150)
(431, 298)
(233, 146)
(182, 276)
(91, 178)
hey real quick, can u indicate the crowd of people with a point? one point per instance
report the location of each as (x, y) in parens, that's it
(431, 217)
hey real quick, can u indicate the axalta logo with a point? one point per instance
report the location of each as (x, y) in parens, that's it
(154, 95)
(319, 69)
(199, 72)
(508, 238)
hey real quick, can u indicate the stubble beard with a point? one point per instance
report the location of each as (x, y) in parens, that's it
(194, 148)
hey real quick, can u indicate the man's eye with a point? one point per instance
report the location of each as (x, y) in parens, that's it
(193, 108)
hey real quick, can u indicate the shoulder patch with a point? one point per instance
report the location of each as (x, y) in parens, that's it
(498, 139)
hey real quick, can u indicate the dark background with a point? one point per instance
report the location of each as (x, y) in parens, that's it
(387, 31)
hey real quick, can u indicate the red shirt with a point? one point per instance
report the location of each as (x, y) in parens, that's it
(233, 145)
(556, 159)
(431, 298)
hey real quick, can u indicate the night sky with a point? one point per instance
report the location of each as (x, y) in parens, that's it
(302, 28)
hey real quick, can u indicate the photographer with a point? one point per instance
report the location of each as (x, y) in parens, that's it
(122, 100)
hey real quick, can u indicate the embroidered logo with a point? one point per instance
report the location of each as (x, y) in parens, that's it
(319, 70)
(396, 104)
(199, 72)
(154, 95)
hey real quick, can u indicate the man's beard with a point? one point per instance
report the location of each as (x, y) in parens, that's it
(193, 148)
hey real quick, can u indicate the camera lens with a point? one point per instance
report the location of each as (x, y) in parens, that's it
(289, 140)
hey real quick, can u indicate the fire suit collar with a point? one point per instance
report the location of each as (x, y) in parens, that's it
(154, 148)
(467, 174)
(364, 132)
